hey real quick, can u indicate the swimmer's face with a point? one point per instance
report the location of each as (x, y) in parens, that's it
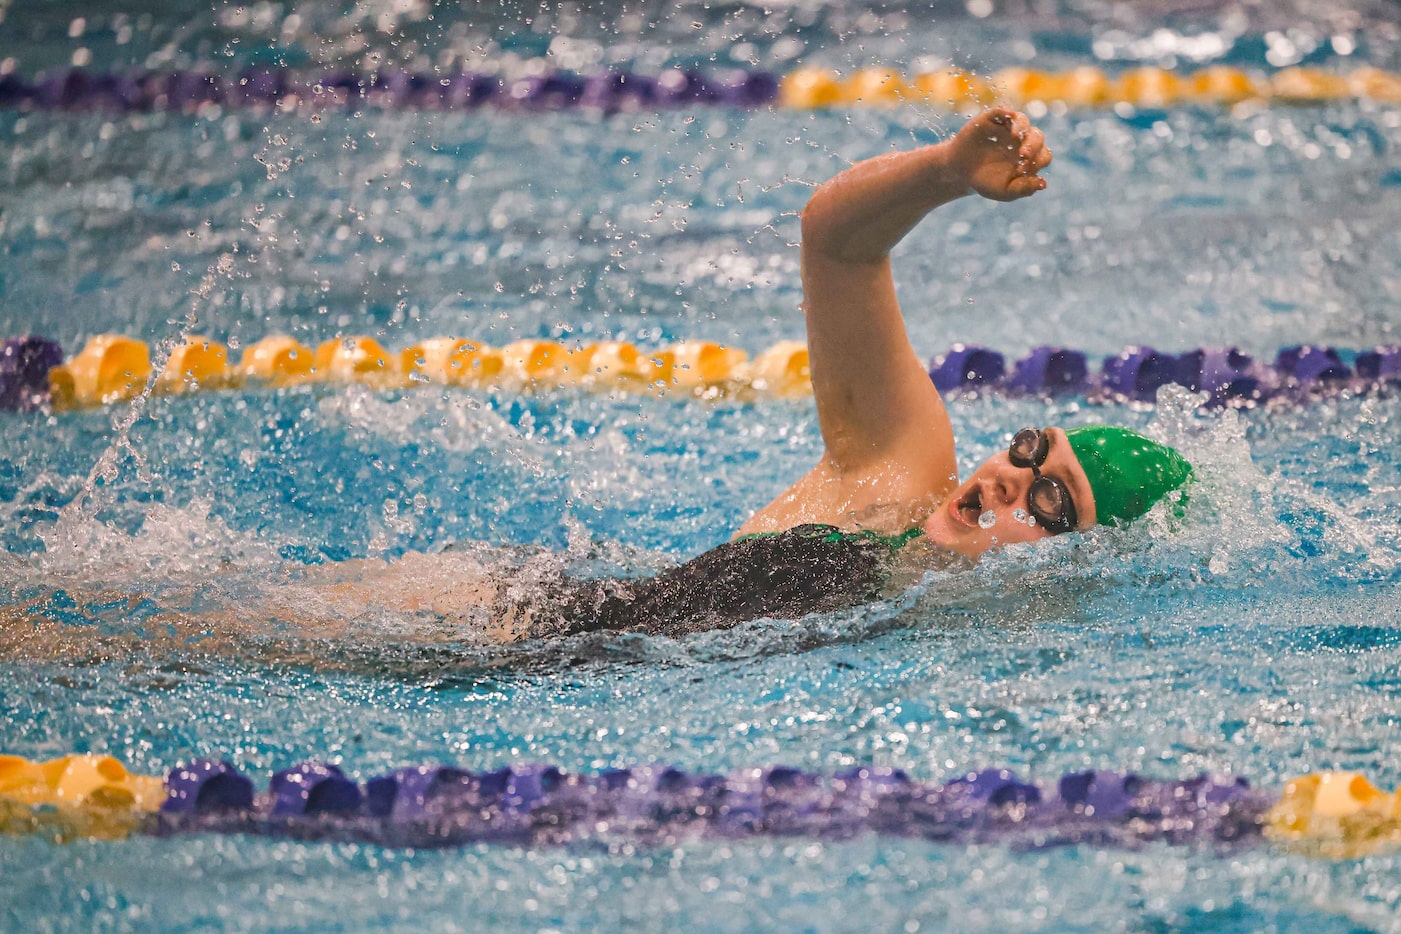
(990, 508)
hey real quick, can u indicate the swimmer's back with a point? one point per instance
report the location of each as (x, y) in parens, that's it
(780, 575)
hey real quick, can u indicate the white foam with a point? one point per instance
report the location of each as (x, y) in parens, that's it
(173, 543)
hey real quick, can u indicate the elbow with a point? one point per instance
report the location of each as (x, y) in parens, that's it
(825, 230)
(815, 216)
(815, 226)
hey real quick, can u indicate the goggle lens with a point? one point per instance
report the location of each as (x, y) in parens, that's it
(1029, 448)
(1049, 502)
(1047, 499)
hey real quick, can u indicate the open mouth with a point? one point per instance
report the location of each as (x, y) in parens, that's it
(969, 506)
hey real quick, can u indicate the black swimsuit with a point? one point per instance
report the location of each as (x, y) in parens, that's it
(782, 575)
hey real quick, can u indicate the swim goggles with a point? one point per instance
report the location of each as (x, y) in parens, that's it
(1047, 499)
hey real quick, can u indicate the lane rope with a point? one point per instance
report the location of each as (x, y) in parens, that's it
(1333, 814)
(112, 368)
(809, 88)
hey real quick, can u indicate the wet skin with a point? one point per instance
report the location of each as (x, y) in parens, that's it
(999, 487)
(888, 443)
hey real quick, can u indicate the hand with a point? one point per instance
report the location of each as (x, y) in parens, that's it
(1000, 154)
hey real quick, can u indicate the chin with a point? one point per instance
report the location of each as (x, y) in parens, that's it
(939, 532)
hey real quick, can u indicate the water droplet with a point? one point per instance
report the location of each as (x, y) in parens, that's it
(988, 519)
(1024, 517)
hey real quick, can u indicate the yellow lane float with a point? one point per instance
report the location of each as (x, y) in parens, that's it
(451, 361)
(1083, 86)
(75, 796)
(198, 363)
(952, 90)
(1148, 87)
(782, 370)
(112, 368)
(616, 363)
(1375, 84)
(535, 363)
(696, 364)
(1337, 814)
(809, 89)
(1308, 86)
(109, 368)
(357, 360)
(1221, 85)
(875, 86)
(277, 360)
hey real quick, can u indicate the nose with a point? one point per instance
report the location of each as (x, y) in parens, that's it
(1009, 483)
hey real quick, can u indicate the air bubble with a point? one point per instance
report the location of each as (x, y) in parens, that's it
(988, 519)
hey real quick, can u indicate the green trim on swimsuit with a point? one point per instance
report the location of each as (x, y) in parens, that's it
(830, 533)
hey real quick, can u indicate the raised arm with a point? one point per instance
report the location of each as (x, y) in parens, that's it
(876, 405)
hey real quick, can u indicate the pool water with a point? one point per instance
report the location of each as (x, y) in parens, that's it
(1255, 636)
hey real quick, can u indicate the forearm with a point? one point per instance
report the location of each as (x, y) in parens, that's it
(875, 403)
(859, 216)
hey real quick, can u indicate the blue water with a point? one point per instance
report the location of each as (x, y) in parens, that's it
(1258, 636)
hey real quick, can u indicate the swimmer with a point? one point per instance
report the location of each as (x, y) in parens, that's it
(889, 445)
(887, 482)
(883, 503)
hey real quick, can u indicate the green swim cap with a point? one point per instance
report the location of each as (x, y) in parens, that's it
(1128, 472)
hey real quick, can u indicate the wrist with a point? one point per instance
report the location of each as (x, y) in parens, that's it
(949, 174)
